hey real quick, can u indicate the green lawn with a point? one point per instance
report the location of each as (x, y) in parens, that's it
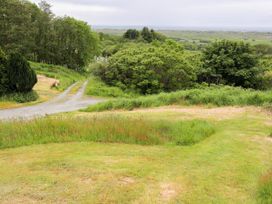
(226, 167)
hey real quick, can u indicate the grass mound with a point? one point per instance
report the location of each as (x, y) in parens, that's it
(65, 75)
(265, 189)
(214, 95)
(105, 129)
(20, 97)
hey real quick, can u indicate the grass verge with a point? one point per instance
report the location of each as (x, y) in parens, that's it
(214, 95)
(64, 75)
(98, 88)
(112, 129)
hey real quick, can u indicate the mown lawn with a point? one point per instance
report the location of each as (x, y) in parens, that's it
(227, 167)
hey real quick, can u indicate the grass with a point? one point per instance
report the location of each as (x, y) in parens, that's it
(98, 88)
(64, 75)
(224, 168)
(104, 129)
(265, 189)
(215, 95)
(20, 97)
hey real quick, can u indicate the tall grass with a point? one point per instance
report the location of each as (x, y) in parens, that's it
(98, 88)
(65, 75)
(214, 95)
(265, 189)
(112, 129)
(20, 97)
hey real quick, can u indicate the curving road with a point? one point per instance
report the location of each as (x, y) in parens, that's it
(62, 103)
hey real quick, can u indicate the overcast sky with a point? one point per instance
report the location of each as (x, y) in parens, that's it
(168, 13)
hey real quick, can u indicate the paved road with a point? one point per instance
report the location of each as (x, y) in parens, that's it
(62, 103)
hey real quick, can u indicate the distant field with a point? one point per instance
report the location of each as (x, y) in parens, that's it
(203, 36)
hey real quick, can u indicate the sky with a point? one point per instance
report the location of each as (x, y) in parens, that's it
(169, 13)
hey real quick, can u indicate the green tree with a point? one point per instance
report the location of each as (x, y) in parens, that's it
(147, 35)
(131, 34)
(149, 68)
(21, 78)
(3, 73)
(232, 63)
(76, 44)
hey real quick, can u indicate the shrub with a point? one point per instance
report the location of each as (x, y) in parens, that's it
(149, 68)
(21, 77)
(20, 97)
(231, 63)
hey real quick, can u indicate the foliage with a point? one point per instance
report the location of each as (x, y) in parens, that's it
(132, 34)
(231, 63)
(265, 189)
(20, 97)
(98, 88)
(149, 68)
(35, 32)
(3, 73)
(214, 95)
(263, 49)
(66, 76)
(21, 78)
(119, 130)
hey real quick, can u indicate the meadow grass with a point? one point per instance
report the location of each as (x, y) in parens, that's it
(104, 129)
(64, 75)
(265, 189)
(224, 168)
(214, 95)
(20, 97)
(96, 87)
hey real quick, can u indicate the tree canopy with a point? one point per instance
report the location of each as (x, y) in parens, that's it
(230, 62)
(36, 33)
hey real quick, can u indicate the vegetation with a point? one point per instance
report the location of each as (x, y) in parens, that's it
(231, 63)
(66, 76)
(265, 189)
(148, 69)
(96, 87)
(39, 35)
(119, 130)
(214, 95)
(16, 79)
(145, 35)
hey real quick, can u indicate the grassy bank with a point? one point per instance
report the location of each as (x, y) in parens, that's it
(20, 97)
(215, 95)
(98, 88)
(64, 75)
(104, 129)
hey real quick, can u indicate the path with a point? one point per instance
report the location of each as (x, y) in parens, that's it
(62, 103)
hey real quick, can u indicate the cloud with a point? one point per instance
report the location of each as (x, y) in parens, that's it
(217, 13)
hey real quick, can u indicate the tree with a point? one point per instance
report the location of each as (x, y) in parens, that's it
(147, 35)
(21, 78)
(3, 73)
(232, 63)
(76, 44)
(132, 34)
(149, 68)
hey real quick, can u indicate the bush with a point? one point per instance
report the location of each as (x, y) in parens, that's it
(20, 97)
(149, 68)
(20, 75)
(231, 63)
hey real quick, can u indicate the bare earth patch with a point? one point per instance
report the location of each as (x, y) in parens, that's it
(168, 191)
(126, 181)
